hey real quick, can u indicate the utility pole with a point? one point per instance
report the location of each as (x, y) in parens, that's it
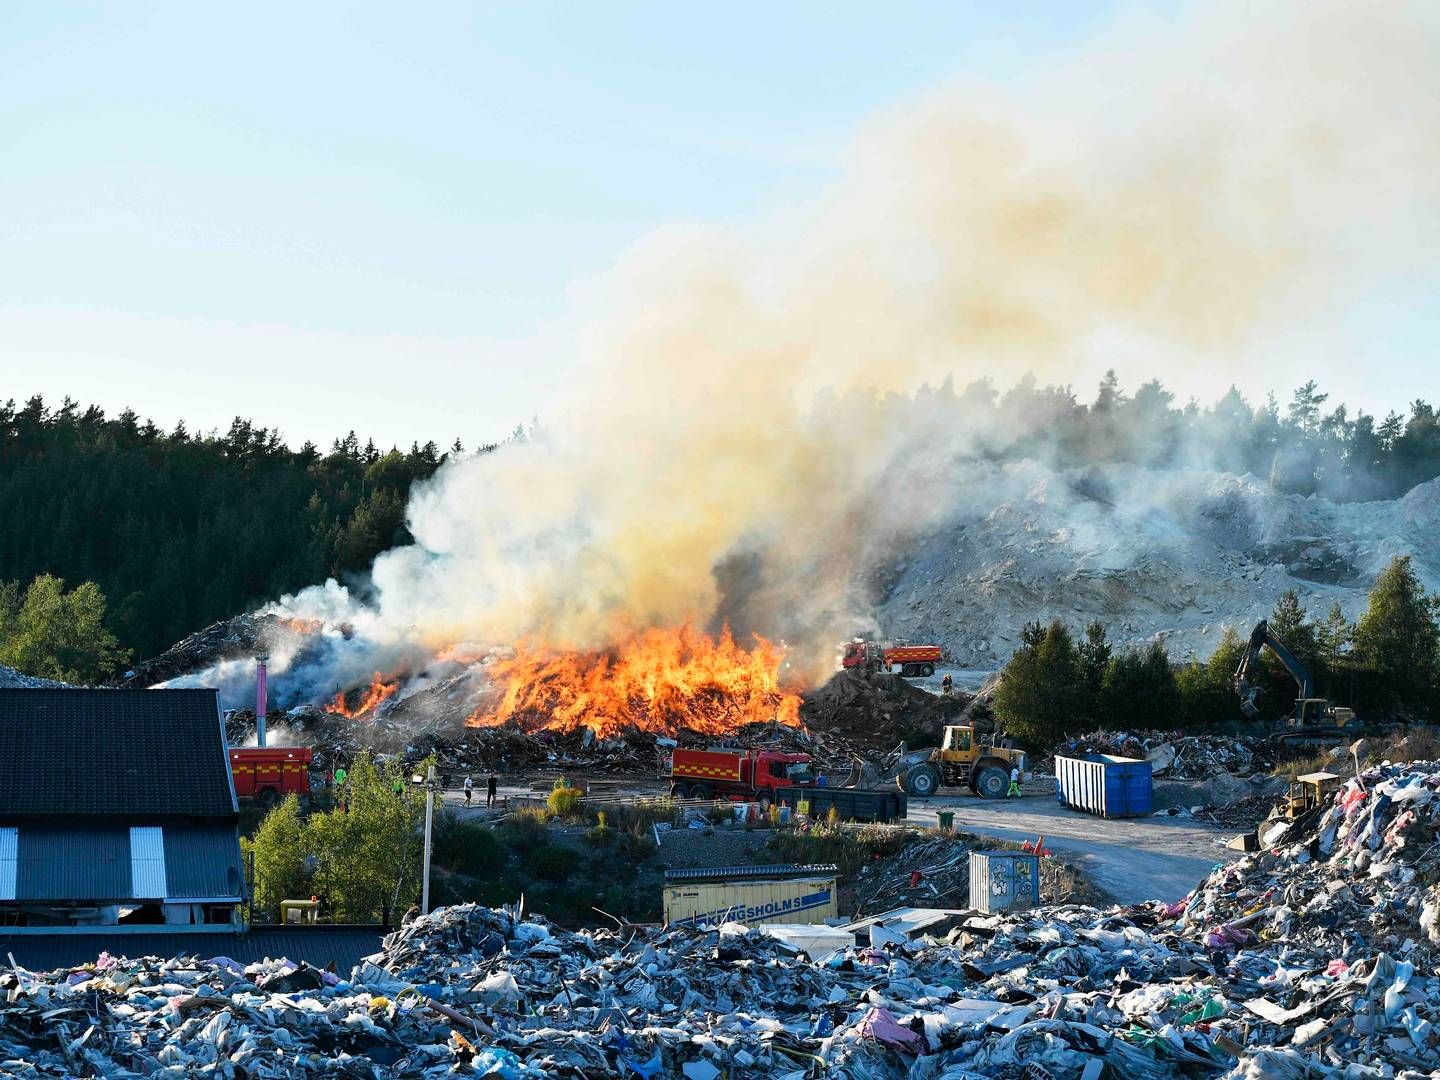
(429, 820)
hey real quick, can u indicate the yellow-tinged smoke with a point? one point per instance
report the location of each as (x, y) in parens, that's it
(1176, 200)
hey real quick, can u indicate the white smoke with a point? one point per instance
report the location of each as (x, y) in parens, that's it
(1179, 201)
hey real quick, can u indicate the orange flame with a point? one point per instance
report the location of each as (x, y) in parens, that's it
(376, 694)
(657, 680)
(299, 625)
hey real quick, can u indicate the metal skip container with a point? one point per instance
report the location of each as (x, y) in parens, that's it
(1105, 785)
(751, 894)
(1004, 880)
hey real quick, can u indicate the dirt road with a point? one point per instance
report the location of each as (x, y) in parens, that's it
(1134, 860)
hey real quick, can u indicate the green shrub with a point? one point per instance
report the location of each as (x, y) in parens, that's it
(466, 847)
(564, 802)
(524, 829)
(553, 862)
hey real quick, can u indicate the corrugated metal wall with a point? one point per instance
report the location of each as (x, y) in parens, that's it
(73, 862)
(9, 861)
(801, 900)
(1105, 785)
(147, 862)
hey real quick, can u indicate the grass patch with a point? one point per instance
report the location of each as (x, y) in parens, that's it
(847, 848)
(562, 872)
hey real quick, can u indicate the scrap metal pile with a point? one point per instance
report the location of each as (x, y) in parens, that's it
(1315, 958)
(1192, 757)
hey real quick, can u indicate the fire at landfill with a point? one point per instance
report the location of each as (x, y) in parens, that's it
(659, 681)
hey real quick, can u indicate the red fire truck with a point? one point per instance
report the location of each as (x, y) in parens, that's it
(912, 660)
(269, 773)
(751, 775)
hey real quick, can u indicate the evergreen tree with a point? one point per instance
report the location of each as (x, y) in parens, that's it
(1094, 654)
(1037, 700)
(1140, 690)
(1397, 640)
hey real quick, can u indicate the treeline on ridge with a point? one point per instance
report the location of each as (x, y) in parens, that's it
(178, 529)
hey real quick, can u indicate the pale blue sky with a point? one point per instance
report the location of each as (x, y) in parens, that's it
(325, 216)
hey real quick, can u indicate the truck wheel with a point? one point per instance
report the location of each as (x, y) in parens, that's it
(926, 670)
(908, 670)
(992, 782)
(922, 781)
(678, 791)
(266, 798)
(701, 792)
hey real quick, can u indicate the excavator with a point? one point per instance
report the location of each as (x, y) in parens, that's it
(1313, 719)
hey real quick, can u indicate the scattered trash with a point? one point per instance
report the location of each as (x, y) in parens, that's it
(1193, 757)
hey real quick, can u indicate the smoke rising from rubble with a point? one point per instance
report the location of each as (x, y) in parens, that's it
(731, 448)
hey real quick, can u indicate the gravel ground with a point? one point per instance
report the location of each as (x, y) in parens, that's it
(684, 849)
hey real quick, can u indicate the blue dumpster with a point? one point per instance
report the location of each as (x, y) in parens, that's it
(1105, 785)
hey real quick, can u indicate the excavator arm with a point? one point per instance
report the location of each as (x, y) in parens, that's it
(1260, 639)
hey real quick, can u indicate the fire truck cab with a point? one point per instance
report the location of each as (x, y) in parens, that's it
(750, 775)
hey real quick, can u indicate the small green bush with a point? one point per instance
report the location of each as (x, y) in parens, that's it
(564, 802)
(524, 829)
(465, 847)
(553, 862)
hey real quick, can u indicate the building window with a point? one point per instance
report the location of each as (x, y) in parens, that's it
(147, 862)
(9, 861)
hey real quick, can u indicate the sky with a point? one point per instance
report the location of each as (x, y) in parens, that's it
(377, 216)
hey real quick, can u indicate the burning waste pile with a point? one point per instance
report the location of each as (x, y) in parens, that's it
(1312, 959)
(525, 706)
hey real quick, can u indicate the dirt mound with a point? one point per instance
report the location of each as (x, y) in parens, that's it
(879, 710)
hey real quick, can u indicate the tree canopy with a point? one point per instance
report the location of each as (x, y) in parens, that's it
(362, 859)
(179, 529)
(1386, 665)
(55, 634)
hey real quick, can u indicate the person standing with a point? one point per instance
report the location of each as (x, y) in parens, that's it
(490, 790)
(469, 789)
(1014, 792)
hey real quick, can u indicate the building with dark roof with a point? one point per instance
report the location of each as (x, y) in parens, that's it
(117, 809)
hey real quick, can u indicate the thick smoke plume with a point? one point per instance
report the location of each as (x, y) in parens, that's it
(1183, 199)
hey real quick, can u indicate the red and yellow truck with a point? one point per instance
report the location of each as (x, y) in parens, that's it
(913, 660)
(749, 775)
(268, 773)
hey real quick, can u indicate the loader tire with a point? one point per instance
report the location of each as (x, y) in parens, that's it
(992, 782)
(922, 781)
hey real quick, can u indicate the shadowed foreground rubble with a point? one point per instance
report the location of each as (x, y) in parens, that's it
(1312, 958)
